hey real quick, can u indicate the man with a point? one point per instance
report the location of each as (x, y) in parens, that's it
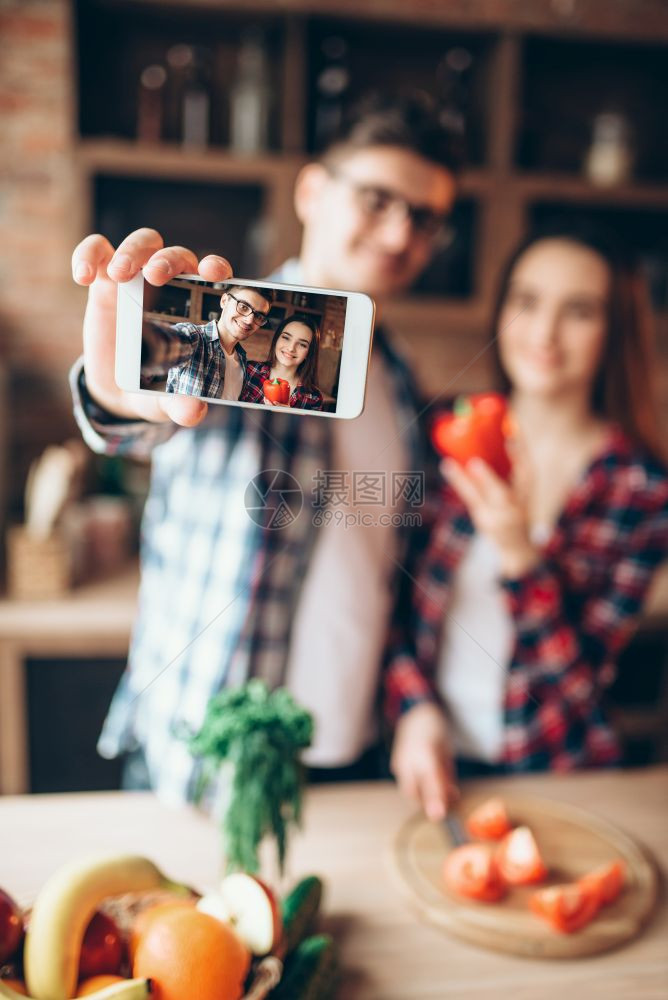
(206, 359)
(223, 597)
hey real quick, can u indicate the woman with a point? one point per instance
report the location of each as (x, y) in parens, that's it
(526, 592)
(293, 356)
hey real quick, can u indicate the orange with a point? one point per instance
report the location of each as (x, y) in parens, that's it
(95, 983)
(188, 953)
(16, 985)
(145, 917)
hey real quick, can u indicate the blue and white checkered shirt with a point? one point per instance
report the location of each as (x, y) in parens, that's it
(218, 591)
(192, 358)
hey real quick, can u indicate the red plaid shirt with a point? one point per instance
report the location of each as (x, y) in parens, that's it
(573, 614)
(257, 373)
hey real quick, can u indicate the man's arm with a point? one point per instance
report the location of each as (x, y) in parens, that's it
(166, 345)
(107, 434)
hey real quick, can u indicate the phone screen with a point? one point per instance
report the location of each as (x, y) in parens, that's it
(253, 343)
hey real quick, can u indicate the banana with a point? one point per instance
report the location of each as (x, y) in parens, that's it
(129, 989)
(63, 909)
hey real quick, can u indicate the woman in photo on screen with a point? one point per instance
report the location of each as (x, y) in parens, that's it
(522, 594)
(293, 356)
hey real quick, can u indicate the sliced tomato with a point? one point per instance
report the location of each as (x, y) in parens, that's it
(567, 907)
(489, 820)
(470, 870)
(518, 858)
(606, 880)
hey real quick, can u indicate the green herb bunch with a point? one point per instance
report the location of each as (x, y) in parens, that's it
(261, 734)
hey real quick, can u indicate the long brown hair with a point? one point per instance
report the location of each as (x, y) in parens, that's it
(623, 390)
(307, 372)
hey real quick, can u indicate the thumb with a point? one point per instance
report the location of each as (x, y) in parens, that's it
(184, 411)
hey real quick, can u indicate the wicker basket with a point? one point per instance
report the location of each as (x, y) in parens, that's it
(37, 569)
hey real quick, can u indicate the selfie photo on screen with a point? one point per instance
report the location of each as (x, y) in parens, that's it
(249, 343)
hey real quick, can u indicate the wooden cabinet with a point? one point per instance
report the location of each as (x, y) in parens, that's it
(529, 79)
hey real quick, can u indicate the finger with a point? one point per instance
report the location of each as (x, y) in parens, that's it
(461, 482)
(521, 475)
(491, 488)
(132, 254)
(215, 268)
(90, 258)
(434, 784)
(168, 262)
(184, 410)
(404, 774)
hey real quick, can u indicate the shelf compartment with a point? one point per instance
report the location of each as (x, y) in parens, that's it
(206, 217)
(451, 273)
(394, 57)
(117, 40)
(566, 83)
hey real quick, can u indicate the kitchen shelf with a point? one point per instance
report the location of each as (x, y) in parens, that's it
(517, 53)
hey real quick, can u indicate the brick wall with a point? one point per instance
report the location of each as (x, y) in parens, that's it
(43, 214)
(40, 308)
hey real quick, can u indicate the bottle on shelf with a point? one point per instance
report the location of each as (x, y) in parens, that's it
(250, 97)
(609, 159)
(151, 103)
(453, 76)
(332, 86)
(189, 67)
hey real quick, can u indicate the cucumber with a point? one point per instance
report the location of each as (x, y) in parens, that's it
(299, 910)
(310, 971)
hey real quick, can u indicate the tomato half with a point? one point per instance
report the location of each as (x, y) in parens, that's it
(518, 858)
(567, 907)
(470, 870)
(606, 880)
(489, 820)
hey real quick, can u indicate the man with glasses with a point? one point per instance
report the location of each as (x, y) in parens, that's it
(206, 359)
(224, 596)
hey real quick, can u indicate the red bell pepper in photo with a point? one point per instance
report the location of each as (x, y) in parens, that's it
(276, 390)
(477, 428)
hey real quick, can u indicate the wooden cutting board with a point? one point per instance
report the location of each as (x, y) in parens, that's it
(572, 841)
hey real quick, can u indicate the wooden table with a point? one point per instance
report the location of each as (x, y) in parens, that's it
(93, 621)
(387, 953)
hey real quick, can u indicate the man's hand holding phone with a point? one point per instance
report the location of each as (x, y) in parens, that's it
(98, 266)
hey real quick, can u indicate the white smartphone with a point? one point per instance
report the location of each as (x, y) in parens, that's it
(246, 343)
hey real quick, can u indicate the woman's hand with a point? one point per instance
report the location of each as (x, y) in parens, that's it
(422, 759)
(498, 509)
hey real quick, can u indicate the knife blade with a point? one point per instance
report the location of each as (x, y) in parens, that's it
(454, 826)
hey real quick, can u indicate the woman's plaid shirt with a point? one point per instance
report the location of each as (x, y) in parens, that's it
(257, 373)
(573, 614)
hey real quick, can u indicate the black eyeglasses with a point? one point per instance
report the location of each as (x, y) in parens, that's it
(378, 202)
(245, 309)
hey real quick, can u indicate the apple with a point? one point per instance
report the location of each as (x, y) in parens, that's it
(214, 904)
(252, 909)
(102, 947)
(11, 926)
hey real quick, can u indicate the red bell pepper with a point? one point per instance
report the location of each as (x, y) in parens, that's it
(276, 390)
(477, 428)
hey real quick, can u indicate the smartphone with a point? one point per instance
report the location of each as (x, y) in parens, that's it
(246, 343)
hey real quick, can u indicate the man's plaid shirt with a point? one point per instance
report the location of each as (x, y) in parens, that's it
(189, 354)
(218, 591)
(257, 373)
(573, 613)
